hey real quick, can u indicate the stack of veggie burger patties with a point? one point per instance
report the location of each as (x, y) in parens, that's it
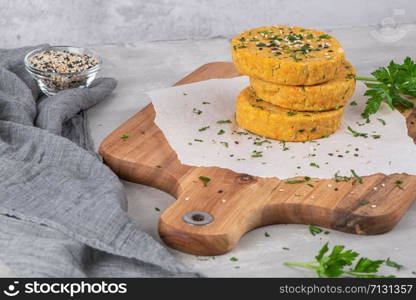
(299, 82)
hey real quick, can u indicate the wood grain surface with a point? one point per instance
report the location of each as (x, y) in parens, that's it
(239, 203)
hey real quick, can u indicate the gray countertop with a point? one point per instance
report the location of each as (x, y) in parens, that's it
(151, 65)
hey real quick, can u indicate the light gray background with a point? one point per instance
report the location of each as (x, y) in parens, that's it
(85, 22)
(141, 65)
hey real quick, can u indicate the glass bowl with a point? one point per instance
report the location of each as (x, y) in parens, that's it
(51, 83)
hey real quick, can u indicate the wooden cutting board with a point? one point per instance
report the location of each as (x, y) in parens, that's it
(210, 220)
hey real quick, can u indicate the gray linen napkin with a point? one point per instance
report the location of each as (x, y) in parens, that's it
(62, 211)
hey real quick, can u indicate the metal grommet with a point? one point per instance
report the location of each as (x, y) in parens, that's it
(244, 179)
(198, 218)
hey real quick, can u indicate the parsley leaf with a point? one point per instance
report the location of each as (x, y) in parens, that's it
(389, 84)
(314, 230)
(339, 262)
(365, 265)
(332, 265)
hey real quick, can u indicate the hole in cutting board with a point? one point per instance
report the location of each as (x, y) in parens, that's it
(198, 218)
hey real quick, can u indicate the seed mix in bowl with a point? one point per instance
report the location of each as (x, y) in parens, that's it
(60, 69)
(62, 61)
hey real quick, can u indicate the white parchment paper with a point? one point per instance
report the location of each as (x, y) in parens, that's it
(183, 111)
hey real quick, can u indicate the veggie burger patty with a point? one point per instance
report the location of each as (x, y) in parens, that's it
(272, 121)
(287, 55)
(325, 96)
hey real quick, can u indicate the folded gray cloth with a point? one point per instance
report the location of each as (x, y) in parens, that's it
(62, 211)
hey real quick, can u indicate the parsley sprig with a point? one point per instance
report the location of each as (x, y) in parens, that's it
(389, 84)
(339, 262)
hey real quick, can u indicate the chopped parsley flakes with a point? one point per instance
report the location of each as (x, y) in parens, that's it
(398, 184)
(381, 121)
(224, 122)
(205, 180)
(284, 147)
(225, 144)
(203, 128)
(393, 264)
(314, 230)
(256, 154)
(197, 111)
(359, 178)
(357, 134)
(259, 142)
(339, 178)
(295, 181)
(324, 37)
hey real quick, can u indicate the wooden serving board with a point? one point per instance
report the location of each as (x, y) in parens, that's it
(239, 203)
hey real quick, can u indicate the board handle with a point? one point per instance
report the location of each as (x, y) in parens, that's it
(209, 220)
